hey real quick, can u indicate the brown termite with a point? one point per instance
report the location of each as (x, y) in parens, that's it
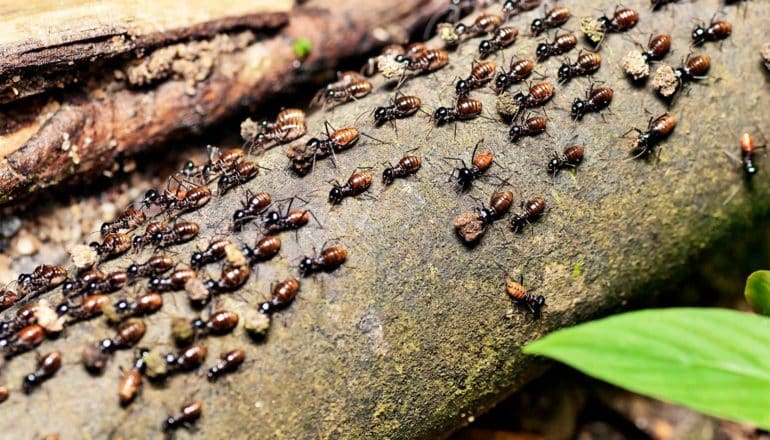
(331, 258)
(127, 335)
(265, 249)
(499, 204)
(227, 363)
(5, 393)
(114, 243)
(131, 380)
(219, 323)
(112, 282)
(241, 173)
(24, 316)
(44, 278)
(175, 281)
(188, 359)
(357, 183)
(464, 109)
(515, 7)
(596, 99)
(335, 142)
(570, 158)
(562, 44)
(8, 298)
(283, 294)
(483, 24)
(532, 210)
(400, 107)
(336, 92)
(406, 166)
(749, 149)
(126, 221)
(141, 240)
(716, 30)
(622, 20)
(254, 205)
(587, 63)
(426, 62)
(553, 18)
(657, 47)
(145, 304)
(411, 52)
(519, 70)
(232, 278)
(24, 340)
(531, 126)
(480, 163)
(90, 307)
(215, 251)
(222, 162)
(503, 37)
(189, 413)
(523, 297)
(290, 219)
(84, 279)
(538, 95)
(47, 366)
(180, 232)
(694, 68)
(481, 73)
(657, 130)
(354, 90)
(195, 198)
(154, 266)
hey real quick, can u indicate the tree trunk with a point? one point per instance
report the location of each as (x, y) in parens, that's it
(415, 334)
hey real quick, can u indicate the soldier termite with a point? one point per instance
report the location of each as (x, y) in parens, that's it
(553, 18)
(657, 130)
(283, 294)
(357, 183)
(532, 210)
(331, 258)
(480, 163)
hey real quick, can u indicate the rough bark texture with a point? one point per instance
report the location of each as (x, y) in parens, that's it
(86, 129)
(415, 334)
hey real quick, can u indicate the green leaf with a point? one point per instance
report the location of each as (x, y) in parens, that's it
(758, 291)
(302, 47)
(711, 360)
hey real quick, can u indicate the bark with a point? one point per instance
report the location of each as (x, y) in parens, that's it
(87, 129)
(415, 335)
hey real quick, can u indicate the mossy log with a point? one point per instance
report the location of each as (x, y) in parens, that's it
(415, 334)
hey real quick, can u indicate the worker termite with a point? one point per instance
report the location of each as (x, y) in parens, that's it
(715, 31)
(571, 157)
(587, 63)
(531, 126)
(499, 204)
(481, 73)
(154, 266)
(114, 244)
(596, 99)
(657, 47)
(331, 258)
(464, 109)
(523, 297)
(483, 24)
(82, 282)
(265, 249)
(532, 210)
(219, 323)
(480, 163)
(195, 198)
(47, 366)
(241, 173)
(90, 307)
(145, 304)
(25, 315)
(152, 228)
(221, 162)
(228, 363)
(112, 282)
(562, 44)
(538, 95)
(400, 107)
(24, 340)
(503, 37)
(126, 221)
(188, 359)
(694, 68)
(190, 412)
(519, 70)
(335, 141)
(406, 166)
(127, 335)
(254, 205)
(515, 7)
(426, 62)
(349, 85)
(283, 294)
(622, 20)
(180, 232)
(553, 18)
(215, 251)
(357, 183)
(175, 281)
(657, 130)
(749, 149)
(131, 380)
(44, 278)
(289, 125)
(232, 278)
(290, 219)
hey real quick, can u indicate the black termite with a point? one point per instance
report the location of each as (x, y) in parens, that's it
(400, 107)
(283, 294)
(657, 130)
(265, 249)
(290, 219)
(331, 257)
(154, 266)
(587, 63)
(47, 366)
(181, 232)
(357, 183)
(555, 17)
(242, 173)
(228, 362)
(715, 31)
(481, 73)
(531, 126)
(254, 206)
(175, 281)
(519, 70)
(480, 163)
(44, 278)
(406, 166)
(189, 413)
(570, 158)
(523, 297)
(215, 251)
(562, 44)
(219, 323)
(503, 37)
(596, 99)
(532, 210)
(463, 110)
(127, 220)
(499, 204)
(657, 4)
